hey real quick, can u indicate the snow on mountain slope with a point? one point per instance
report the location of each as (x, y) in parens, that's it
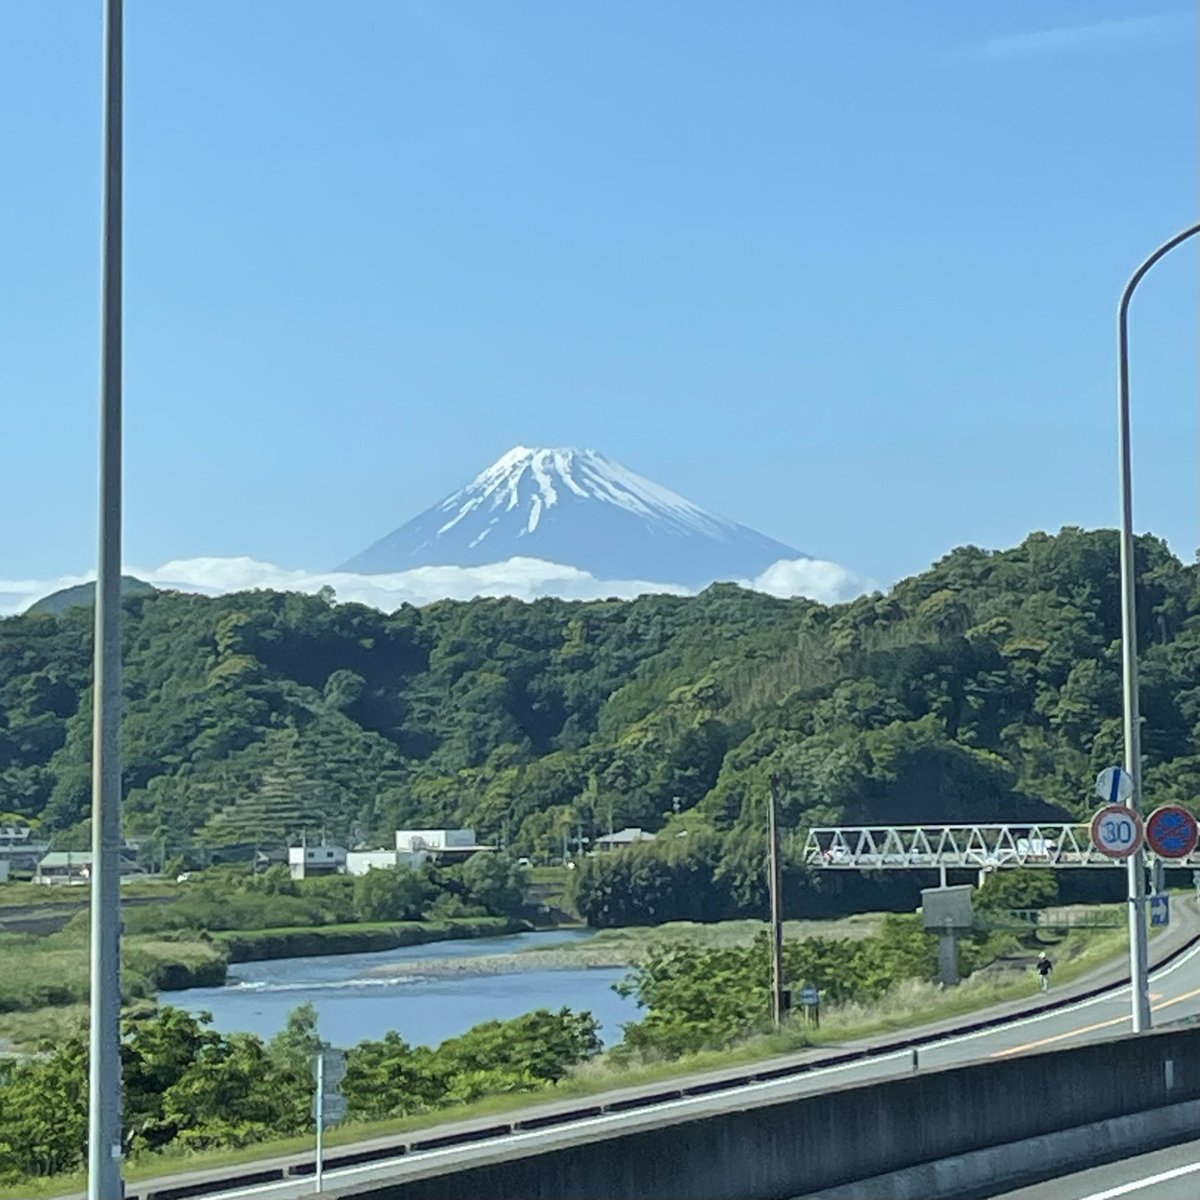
(581, 509)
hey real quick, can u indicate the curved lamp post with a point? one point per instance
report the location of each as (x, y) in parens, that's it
(1139, 983)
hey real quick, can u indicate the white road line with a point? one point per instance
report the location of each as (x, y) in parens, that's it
(1138, 1184)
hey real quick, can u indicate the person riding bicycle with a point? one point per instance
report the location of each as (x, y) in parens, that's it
(1044, 967)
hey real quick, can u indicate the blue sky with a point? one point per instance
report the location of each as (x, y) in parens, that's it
(844, 271)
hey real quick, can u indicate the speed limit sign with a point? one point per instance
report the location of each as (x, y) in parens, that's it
(1117, 831)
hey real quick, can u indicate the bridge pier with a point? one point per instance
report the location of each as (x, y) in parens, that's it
(948, 958)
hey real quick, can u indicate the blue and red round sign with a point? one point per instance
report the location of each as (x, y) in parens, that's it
(1172, 832)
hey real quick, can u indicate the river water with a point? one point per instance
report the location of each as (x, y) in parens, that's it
(353, 1002)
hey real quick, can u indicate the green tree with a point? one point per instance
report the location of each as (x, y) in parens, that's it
(395, 894)
(496, 882)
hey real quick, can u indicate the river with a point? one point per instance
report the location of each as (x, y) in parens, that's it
(354, 1002)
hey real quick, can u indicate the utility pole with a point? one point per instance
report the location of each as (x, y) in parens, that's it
(1139, 985)
(104, 1070)
(777, 1007)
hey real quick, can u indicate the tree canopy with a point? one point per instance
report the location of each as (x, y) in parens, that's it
(985, 688)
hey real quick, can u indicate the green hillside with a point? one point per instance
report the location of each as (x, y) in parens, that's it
(83, 595)
(987, 687)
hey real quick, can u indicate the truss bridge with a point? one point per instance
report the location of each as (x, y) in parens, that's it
(971, 847)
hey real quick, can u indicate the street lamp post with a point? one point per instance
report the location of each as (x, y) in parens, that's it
(104, 1069)
(1139, 983)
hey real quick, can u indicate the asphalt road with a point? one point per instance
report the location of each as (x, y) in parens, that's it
(1171, 1174)
(1175, 994)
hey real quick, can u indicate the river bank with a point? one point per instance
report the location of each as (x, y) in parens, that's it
(44, 989)
(258, 945)
(609, 949)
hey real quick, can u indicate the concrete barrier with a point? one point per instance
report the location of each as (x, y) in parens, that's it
(1018, 1164)
(765, 1150)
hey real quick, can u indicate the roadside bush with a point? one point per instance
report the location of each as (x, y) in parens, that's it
(700, 999)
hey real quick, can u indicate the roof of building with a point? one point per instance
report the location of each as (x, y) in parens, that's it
(74, 858)
(626, 837)
(66, 858)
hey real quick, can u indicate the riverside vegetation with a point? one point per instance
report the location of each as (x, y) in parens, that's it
(228, 915)
(190, 1089)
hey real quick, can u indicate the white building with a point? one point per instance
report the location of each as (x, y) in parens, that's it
(307, 862)
(442, 845)
(359, 862)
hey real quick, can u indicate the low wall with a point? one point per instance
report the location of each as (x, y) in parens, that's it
(774, 1151)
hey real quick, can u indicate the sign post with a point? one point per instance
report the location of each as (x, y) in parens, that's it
(810, 998)
(1122, 837)
(329, 1105)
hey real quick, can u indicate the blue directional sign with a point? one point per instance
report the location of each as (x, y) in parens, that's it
(1160, 910)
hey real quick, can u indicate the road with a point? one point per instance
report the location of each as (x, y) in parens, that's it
(1171, 1174)
(1175, 994)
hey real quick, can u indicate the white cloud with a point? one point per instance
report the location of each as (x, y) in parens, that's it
(1099, 37)
(827, 582)
(523, 578)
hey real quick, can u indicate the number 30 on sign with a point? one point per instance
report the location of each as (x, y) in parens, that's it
(1117, 831)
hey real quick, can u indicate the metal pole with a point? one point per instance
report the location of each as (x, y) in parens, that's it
(104, 1069)
(776, 907)
(319, 1166)
(1138, 953)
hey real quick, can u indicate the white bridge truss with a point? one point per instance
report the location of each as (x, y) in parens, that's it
(973, 847)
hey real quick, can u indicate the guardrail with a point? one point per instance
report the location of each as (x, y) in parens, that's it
(1033, 919)
(405, 1145)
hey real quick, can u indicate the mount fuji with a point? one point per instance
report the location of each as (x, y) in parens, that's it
(578, 508)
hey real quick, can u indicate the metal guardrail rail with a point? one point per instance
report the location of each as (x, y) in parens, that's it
(973, 847)
(1032, 919)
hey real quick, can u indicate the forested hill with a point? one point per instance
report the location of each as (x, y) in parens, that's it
(986, 687)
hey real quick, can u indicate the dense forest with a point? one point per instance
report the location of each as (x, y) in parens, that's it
(987, 687)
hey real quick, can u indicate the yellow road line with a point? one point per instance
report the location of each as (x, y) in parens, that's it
(1062, 1037)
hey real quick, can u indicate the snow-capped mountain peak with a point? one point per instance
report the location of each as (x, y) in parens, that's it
(578, 508)
(531, 481)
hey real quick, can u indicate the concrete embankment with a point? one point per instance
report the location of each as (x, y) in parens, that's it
(1074, 1105)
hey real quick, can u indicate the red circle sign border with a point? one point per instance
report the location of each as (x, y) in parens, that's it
(1172, 808)
(1136, 844)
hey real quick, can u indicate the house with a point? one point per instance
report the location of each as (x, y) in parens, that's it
(18, 849)
(307, 862)
(442, 845)
(359, 862)
(629, 836)
(75, 867)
